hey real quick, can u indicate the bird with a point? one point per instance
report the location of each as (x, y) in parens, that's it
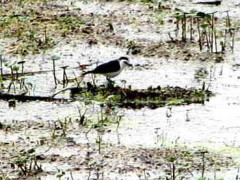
(111, 68)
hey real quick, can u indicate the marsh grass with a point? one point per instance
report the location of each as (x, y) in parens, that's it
(206, 30)
(36, 25)
(27, 162)
(61, 127)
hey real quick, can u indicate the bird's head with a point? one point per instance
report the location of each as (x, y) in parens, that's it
(124, 61)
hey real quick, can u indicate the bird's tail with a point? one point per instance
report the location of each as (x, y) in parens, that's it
(85, 73)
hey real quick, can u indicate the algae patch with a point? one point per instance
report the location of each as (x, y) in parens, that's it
(136, 99)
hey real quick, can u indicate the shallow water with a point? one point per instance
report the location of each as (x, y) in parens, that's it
(214, 124)
(230, 174)
(216, 121)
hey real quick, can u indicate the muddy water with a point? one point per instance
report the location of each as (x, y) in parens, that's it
(215, 124)
(129, 176)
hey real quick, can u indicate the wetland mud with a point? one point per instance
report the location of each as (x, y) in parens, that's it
(186, 128)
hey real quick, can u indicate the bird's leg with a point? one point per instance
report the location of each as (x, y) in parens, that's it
(110, 83)
(94, 80)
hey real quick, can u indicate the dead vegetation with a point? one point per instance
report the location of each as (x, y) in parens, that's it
(168, 161)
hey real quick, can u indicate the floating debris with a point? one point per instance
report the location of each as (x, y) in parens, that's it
(209, 2)
(23, 98)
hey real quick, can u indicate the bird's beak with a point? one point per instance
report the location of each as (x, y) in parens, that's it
(129, 64)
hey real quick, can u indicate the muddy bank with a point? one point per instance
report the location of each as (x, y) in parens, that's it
(53, 153)
(130, 28)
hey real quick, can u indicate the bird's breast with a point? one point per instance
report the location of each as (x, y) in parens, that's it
(112, 74)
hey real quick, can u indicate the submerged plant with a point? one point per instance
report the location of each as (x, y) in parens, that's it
(55, 58)
(4, 176)
(61, 127)
(1, 70)
(27, 162)
(133, 48)
(82, 117)
(208, 33)
(153, 97)
(65, 78)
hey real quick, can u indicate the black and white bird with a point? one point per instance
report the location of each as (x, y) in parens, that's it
(110, 69)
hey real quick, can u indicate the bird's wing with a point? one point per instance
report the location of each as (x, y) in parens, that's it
(111, 66)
